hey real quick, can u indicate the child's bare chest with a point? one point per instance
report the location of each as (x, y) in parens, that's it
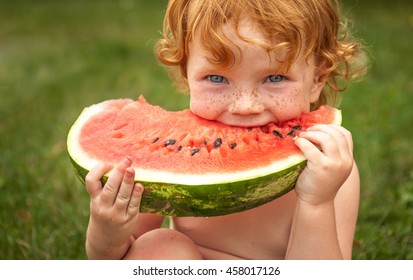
(260, 233)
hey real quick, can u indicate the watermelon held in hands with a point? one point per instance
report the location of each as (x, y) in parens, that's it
(190, 166)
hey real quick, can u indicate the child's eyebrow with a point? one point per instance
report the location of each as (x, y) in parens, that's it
(209, 68)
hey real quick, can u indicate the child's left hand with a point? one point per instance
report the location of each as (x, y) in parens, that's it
(329, 153)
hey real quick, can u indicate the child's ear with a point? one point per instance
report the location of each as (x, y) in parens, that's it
(319, 82)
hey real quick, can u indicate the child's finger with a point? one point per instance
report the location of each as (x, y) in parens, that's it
(324, 140)
(125, 190)
(334, 134)
(310, 151)
(135, 201)
(111, 188)
(92, 180)
(347, 135)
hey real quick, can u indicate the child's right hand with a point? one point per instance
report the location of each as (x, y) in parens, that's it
(114, 210)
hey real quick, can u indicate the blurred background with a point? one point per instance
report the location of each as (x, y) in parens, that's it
(57, 57)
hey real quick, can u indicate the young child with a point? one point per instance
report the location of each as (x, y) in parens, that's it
(247, 63)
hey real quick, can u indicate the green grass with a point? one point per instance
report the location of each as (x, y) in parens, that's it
(380, 116)
(57, 57)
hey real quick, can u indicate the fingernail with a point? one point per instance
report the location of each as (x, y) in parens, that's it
(127, 160)
(139, 187)
(130, 171)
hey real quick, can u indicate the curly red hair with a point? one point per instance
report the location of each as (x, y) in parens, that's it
(313, 27)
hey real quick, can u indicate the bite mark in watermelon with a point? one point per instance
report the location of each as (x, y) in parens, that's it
(190, 166)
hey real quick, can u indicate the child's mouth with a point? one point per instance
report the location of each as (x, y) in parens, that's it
(251, 120)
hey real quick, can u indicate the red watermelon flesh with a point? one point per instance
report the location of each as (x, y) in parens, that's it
(181, 142)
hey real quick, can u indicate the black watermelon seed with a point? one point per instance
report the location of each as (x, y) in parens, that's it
(205, 142)
(179, 148)
(233, 145)
(170, 142)
(278, 134)
(156, 139)
(297, 127)
(218, 143)
(291, 133)
(194, 151)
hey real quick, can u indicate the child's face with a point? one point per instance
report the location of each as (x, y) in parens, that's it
(253, 91)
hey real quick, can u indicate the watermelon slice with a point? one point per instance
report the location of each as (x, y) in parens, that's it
(190, 166)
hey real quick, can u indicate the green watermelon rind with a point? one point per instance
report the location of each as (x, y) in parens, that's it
(212, 200)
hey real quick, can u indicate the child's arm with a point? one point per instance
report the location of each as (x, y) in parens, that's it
(114, 211)
(328, 196)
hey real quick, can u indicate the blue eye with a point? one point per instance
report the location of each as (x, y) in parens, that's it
(275, 78)
(216, 79)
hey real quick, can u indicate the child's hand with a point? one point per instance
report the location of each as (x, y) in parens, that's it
(114, 209)
(329, 153)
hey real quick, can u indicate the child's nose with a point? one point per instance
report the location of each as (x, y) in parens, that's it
(246, 103)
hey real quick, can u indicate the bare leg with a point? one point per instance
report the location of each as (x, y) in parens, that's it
(163, 244)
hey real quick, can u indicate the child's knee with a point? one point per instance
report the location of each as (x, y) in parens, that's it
(163, 244)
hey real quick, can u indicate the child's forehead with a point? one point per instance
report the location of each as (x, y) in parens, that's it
(237, 23)
(245, 28)
(237, 35)
(219, 30)
(219, 21)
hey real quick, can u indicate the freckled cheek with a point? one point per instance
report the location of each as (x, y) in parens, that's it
(208, 106)
(288, 106)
